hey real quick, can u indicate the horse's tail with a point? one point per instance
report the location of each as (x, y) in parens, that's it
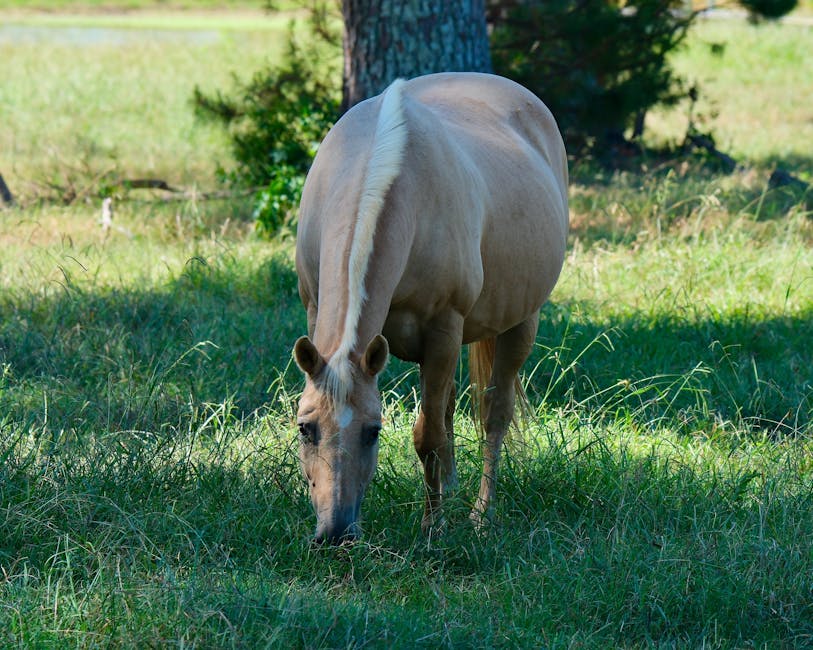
(481, 364)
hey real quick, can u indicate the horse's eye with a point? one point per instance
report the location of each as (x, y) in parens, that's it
(369, 434)
(309, 433)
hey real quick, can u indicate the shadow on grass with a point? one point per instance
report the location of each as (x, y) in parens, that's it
(121, 360)
(621, 546)
(146, 359)
(130, 456)
(795, 164)
(740, 374)
(689, 374)
(619, 206)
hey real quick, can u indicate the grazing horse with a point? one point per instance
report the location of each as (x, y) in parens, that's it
(434, 215)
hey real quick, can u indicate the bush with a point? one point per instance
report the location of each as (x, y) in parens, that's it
(275, 206)
(276, 122)
(768, 8)
(596, 64)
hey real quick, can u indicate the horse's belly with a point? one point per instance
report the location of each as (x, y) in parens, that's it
(488, 319)
(512, 292)
(403, 331)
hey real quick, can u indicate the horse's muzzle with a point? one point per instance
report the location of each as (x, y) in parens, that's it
(340, 529)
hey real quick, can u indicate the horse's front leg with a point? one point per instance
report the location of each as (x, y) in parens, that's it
(432, 434)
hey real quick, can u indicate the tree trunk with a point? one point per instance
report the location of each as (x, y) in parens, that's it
(388, 39)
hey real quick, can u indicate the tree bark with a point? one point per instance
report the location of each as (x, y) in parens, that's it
(388, 39)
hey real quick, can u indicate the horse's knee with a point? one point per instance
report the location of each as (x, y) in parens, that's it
(434, 446)
(429, 440)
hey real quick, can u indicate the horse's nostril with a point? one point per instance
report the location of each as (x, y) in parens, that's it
(337, 534)
(335, 540)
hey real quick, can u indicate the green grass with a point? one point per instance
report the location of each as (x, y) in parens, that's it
(242, 19)
(149, 485)
(118, 104)
(754, 93)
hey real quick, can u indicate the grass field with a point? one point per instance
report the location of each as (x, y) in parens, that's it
(662, 492)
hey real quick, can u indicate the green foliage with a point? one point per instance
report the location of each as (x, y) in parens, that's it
(276, 122)
(595, 63)
(275, 206)
(599, 65)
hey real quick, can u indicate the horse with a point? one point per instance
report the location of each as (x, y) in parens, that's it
(434, 215)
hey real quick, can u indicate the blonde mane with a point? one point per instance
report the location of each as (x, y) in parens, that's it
(383, 168)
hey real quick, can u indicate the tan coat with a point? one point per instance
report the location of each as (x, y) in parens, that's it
(476, 221)
(467, 245)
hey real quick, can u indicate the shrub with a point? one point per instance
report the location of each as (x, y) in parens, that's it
(596, 64)
(275, 206)
(276, 122)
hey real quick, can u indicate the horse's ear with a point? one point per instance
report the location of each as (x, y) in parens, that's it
(307, 356)
(375, 356)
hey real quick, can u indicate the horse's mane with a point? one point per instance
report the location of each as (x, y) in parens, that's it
(383, 168)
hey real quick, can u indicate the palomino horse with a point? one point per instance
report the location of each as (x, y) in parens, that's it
(434, 215)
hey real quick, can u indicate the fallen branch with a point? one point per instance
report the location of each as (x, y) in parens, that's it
(781, 178)
(5, 193)
(194, 195)
(705, 142)
(181, 194)
(147, 184)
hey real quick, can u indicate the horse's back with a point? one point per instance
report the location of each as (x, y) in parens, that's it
(488, 165)
(488, 107)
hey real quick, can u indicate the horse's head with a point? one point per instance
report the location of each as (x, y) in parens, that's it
(339, 421)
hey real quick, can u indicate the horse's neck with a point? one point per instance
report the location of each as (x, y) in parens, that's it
(384, 268)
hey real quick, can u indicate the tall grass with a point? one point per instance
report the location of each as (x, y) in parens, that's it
(88, 111)
(149, 484)
(95, 9)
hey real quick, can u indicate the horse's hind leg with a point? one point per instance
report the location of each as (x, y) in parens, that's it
(432, 435)
(511, 349)
(450, 481)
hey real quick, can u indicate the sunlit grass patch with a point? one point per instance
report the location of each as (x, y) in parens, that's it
(79, 117)
(754, 89)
